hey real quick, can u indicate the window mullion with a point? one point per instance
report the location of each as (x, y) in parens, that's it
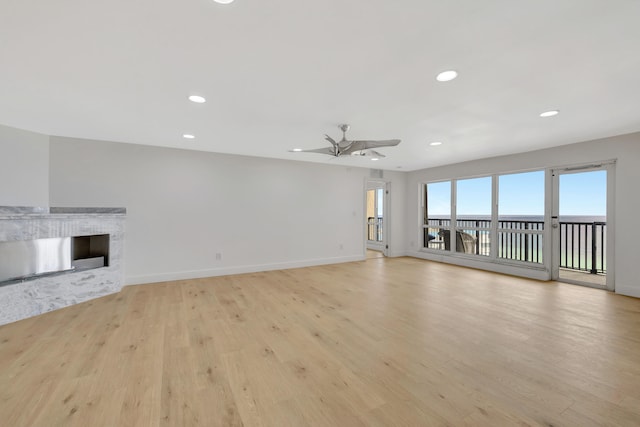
(493, 250)
(454, 216)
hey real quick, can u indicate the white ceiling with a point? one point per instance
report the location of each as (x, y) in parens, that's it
(279, 74)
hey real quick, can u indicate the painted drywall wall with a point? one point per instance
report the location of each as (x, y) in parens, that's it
(24, 168)
(625, 149)
(195, 214)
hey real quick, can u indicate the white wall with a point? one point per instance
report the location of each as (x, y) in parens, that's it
(625, 149)
(184, 207)
(24, 168)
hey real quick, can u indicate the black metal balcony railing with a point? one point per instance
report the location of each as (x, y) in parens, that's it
(374, 229)
(582, 244)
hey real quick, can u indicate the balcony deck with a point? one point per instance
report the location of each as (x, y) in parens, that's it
(599, 280)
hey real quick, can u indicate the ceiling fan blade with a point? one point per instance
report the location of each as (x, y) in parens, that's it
(331, 140)
(375, 144)
(368, 153)
(344, 144)
(324, 150)
(376, 154)
(365, 145)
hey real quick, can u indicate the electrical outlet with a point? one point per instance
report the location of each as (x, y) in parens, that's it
(218, 256)
(341, 246)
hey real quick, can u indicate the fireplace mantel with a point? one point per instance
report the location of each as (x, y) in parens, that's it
(36, 211)
(36, 295)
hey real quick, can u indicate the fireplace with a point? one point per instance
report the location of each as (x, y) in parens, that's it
(51, 258)
(28, 259)
(90, 252)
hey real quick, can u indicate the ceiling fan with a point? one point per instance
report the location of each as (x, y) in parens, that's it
(353, 148)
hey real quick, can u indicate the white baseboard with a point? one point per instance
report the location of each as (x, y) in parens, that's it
(375, 246)
(536, 273)
(396, 254)
(226, 271)
(630, 291)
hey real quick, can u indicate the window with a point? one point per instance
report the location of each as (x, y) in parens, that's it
(517, 235)
(473, 215)
(437, 214)
(521, 216)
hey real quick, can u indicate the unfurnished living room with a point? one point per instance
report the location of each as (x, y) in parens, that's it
(331, 213)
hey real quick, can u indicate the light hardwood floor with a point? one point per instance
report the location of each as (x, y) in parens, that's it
(382, 342)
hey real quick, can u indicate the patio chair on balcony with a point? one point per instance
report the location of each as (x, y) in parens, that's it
(465, 242)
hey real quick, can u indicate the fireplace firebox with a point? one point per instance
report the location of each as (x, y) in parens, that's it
(30, 259)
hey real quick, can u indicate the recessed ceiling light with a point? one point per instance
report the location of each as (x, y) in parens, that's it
(197, 99)
(223, 1)
(375, 159)
(549, 113)
(447, 76)
(188, 136)
(297, 150)
(435, 143)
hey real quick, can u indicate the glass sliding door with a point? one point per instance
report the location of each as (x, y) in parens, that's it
(437, 215)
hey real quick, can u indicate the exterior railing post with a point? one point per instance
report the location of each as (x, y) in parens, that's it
(594, 270)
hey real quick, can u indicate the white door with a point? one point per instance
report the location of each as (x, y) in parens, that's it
(377, 216)
(582, 228)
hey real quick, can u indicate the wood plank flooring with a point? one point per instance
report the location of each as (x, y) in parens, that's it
(383, 342)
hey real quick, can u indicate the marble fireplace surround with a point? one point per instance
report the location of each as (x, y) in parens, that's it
(22, 299)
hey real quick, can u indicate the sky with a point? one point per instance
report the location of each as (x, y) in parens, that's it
(582, 193)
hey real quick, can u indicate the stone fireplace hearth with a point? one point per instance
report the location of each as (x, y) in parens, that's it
(95, 248)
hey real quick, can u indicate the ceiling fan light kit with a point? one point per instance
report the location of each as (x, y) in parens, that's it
(353, 148)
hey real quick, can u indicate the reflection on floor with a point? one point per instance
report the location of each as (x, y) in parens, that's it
(584, 277)
(374, 254)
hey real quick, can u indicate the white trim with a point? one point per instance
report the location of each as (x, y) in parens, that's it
(611, 226)
(398, 254)
(365, 220)
(609, 167)
(582, 167)
(495, 216)
(453, 240)
(386, 215)
(630, 291)
(516, 230)
(484, 259)
(226, 271)
(548, 235)
(375, 246)
(530, 272)
(555, 225)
